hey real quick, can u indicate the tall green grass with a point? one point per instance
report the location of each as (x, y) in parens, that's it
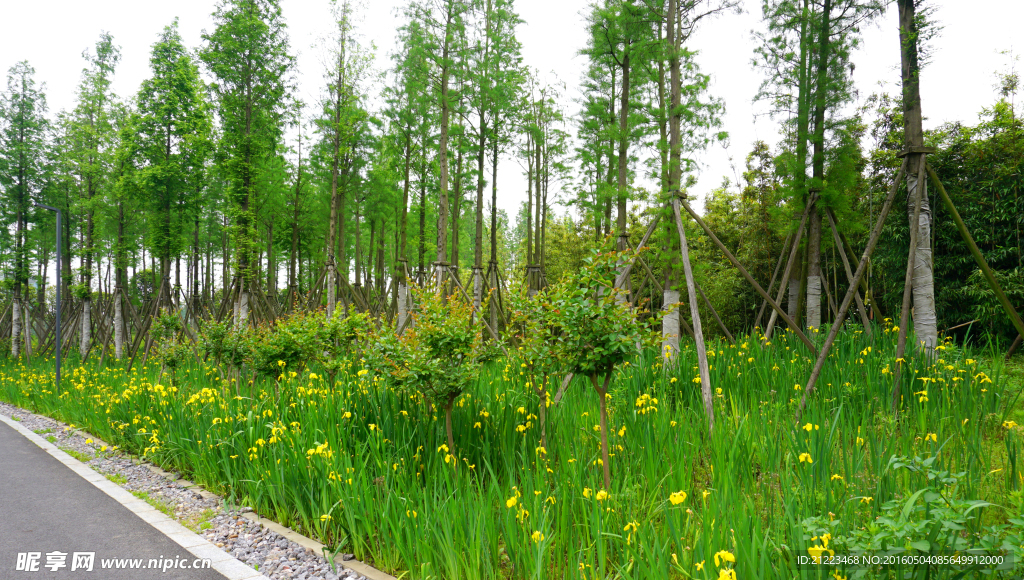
(364, 468)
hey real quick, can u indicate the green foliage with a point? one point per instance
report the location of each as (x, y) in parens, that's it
(172, 134)
(597, 330)
(166, 325)
(932, 518)
(534, 331)
(23, 130)
(170, 349)
(342, 339)
(226, 344)
(438, 357)
(80, 291)
(987, 309)
(248, 56)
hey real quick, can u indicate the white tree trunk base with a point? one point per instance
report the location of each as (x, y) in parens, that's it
(83, 346)
(118, 326)
(16, 329)
(923, 278)
(814, 302)
(670, 326)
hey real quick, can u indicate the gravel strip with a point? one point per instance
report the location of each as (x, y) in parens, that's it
(272, 554)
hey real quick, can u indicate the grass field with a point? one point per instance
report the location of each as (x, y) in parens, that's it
(367, 470)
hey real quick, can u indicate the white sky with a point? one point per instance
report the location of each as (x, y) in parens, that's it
(51, 35)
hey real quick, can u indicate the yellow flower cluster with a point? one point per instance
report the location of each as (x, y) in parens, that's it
(646, 404)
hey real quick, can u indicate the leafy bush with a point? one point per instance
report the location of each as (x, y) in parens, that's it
(597, 330)
(439, 357)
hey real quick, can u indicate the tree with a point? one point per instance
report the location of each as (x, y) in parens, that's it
(681, 18)
(248, 56)
(439, 357)
(807, 48)
(22, 166)
(174, 131)
(442, 24)
(596, 331)
(411, 110)
(126, 196)
(342, 116)
(92, 147)
(923, 277)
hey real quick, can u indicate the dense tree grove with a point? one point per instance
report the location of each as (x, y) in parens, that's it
(215, 191)
(316, 307)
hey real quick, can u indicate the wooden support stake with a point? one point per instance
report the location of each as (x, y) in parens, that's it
(624, 274)
(978, 257)
(789, 268)
(848, 299)
(493, 334)
(775, 274)
(864, 286)
(849, 273)
(750, 279)
(698, 332)
(715, 314)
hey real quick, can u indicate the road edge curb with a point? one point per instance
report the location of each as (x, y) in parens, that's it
(221, 561)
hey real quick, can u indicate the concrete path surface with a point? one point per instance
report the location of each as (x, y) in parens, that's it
(59, 518)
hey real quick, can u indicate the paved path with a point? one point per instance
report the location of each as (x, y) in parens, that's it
(47, 505)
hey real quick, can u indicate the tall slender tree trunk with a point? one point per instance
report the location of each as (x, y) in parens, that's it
(341, 256)
(44, 267)
(804, 95)
(19, 265)
(622, 241)
(293, 254)
(271, 261)
(538, 147)
(331, 280)
(208, 285)
(403, 299)
(195, 265)
(670, 330)
(611, 159)
(623, 160)
(542, 240)
(670, 296)
(529, 213)
(442, 154)
(813, 292)
(368, 267)
(359, 249)
(16, 326)
(814, 269)
(119, 284)
(922, 283)
(537, 227)
(457, 206)
(380, 261)
(225, 258)
(493, 282)
(85, 335)
(598, 207)
(423, 212)
(478, 239)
